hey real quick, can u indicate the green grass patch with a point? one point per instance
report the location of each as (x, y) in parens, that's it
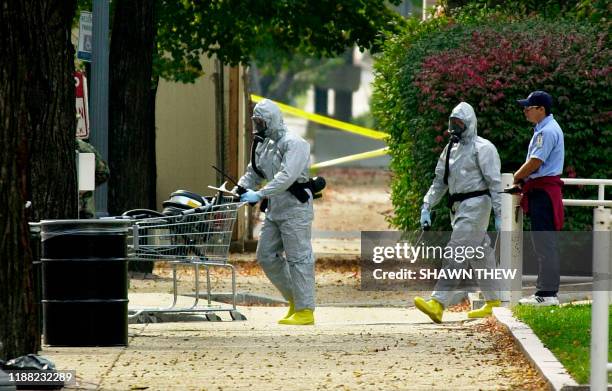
(566, 331)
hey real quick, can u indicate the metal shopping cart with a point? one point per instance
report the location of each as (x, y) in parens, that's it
(198, 238)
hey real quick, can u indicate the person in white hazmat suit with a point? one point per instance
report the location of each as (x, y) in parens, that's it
(469, 169)
(281, 158)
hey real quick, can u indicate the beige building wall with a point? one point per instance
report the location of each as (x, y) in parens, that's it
(186, 135)
(187, 141)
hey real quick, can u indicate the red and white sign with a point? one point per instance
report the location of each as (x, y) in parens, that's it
(82, 105)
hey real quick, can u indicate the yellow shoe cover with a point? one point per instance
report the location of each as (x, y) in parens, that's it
(485, 310)
(290, 311)
(432, 308)
(299, 318)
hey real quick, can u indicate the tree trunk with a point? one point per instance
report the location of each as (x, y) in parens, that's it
(131, 135)
(53, 186)
(37, 160)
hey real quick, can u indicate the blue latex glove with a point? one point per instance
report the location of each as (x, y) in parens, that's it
(250, 196)
(498, 224)
(425, 218)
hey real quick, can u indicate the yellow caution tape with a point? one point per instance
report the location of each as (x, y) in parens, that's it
(332, 123)
(350, 158)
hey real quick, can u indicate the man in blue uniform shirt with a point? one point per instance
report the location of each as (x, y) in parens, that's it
(542, 199)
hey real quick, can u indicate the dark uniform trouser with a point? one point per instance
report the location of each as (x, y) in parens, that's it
(544, 240)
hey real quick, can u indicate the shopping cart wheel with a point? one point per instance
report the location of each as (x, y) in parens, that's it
(212, 317)
(237, 315)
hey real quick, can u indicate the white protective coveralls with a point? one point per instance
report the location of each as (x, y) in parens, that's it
(474, 165)
(283, 158)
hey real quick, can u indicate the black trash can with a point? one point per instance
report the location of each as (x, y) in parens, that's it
(35, 248)
(84, 282)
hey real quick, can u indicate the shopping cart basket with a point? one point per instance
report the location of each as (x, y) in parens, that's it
(198, 238)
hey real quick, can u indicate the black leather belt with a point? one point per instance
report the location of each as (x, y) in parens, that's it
(459, 197)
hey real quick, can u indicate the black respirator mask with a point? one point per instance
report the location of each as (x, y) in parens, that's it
(456, 130)
(260, 127)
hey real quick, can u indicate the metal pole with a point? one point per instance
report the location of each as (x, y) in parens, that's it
(78, 202)
(599, 310)
(99, 94)
(511, 241)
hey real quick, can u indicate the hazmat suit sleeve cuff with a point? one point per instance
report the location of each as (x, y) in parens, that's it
(263, 192)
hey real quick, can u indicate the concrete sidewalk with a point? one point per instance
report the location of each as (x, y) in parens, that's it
(348, 349)
(347, 247)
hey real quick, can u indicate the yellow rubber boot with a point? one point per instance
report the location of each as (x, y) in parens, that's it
(431, 308)
(290, 311)
(299, 318)
(485, 310)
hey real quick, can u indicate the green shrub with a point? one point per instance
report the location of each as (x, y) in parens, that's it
(596, 11)
(424, 73)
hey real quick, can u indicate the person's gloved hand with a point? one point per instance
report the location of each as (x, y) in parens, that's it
(425, 218)
(250, 196)
(498, 223)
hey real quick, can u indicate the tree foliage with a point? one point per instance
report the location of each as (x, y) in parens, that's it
(424, 73)
(233, 31)
(230, 30)
(281, 79)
